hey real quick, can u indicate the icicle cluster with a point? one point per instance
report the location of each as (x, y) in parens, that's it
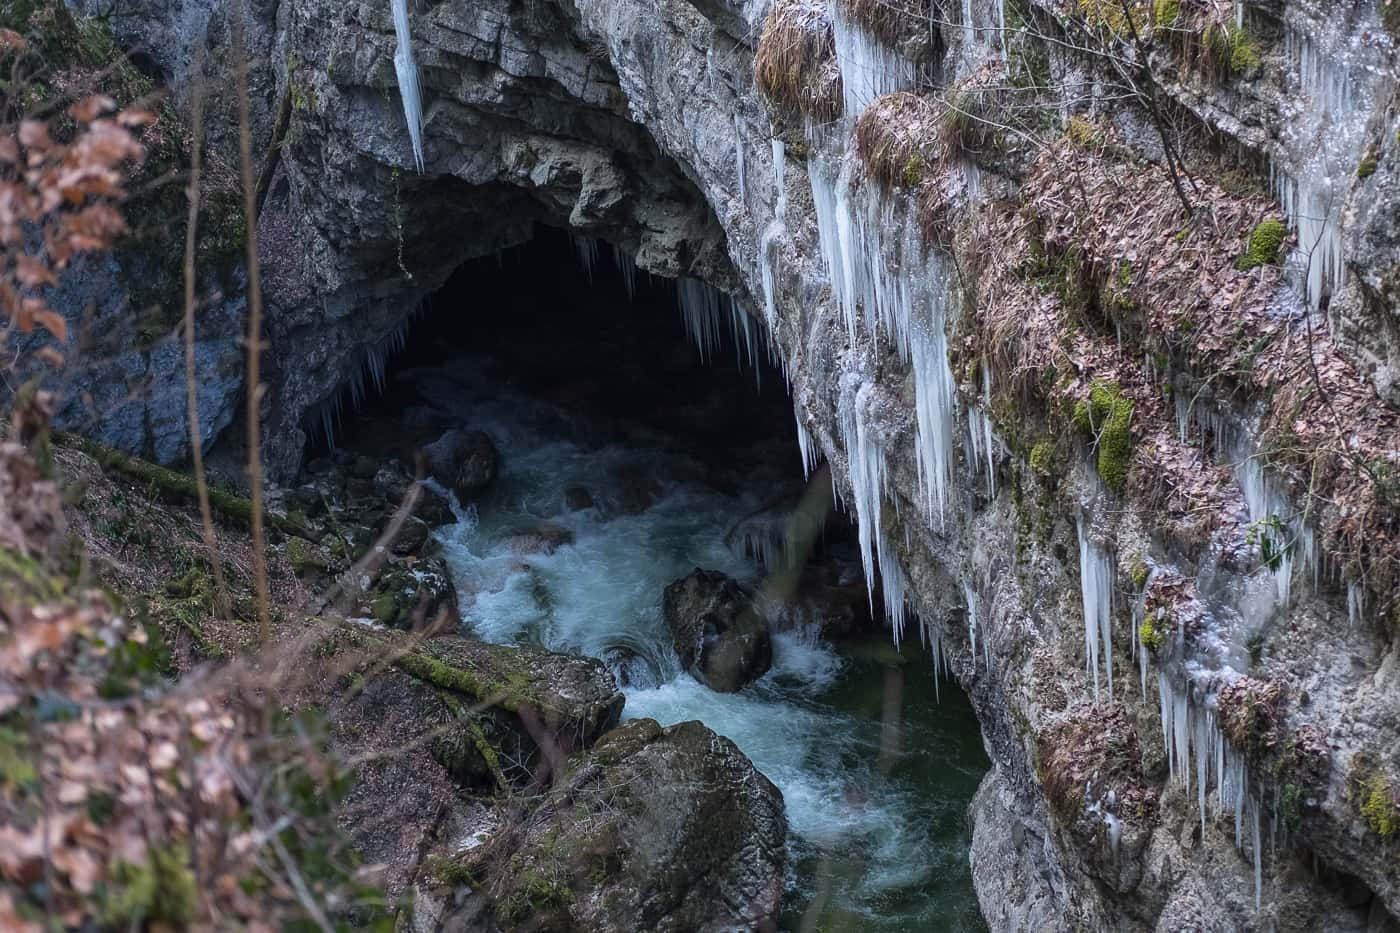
(705, 310)
(981, 440)
(406, 69)
(1190, 728)
(372, 361)
(869, 484)
(868, 68)
(776, 540)
(1338, 69)
(1096, 589)
(587, 249)
(877, 263)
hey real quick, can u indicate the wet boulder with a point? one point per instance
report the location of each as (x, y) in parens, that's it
(393, 483)
(413, 593)
(717, 630)
(462, 461)
(520, 711)
(540, 538)
(629, 667)
(653, 829)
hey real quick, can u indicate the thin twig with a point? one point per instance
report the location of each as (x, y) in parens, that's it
(206, 515)
(250, 216)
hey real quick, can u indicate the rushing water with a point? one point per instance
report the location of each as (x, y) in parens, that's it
(875, 773)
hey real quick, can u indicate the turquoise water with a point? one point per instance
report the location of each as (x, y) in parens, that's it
(876, 773)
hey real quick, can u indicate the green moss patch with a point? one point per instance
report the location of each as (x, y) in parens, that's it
(1264, 245)
(1107, 416)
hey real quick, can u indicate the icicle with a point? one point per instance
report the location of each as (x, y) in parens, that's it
(628, 268)
(739, 157)
(779, 178)
(869, 68)
(1356, 603)
(868, 484)
(806, 444)
(1095, 583)
(1340, 72)
(970, 597)
(406, 68)
(587, 249)
(767, 250)
(774, 232)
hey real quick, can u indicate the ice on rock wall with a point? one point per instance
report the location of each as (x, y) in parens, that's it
(869, 482)
(806, 444)
(1338, 65)
(981, 439)
(406, 69)
(772, 235)
(869, 69)
(1281, 532)
(1190, 730)
(739, 158)
(1096, 589)
(883, 275)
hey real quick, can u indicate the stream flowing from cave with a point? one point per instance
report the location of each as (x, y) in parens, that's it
(875, 843)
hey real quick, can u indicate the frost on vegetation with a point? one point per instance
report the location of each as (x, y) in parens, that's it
(1096, 590)
(406, 68)
(795, 61)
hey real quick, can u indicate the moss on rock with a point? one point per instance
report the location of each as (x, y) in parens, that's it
(159, 891)
(1379, 807)
(1107, 415)
(1264, 245)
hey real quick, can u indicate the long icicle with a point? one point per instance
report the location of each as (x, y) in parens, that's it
(407, 70)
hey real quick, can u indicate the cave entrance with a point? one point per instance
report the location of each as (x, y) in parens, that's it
(643, 433)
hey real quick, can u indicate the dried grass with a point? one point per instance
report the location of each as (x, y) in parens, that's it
(897, 23)
(795, 63)
(897, 138)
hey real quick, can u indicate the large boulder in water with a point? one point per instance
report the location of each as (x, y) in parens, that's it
(721, 637)
(654, 829)
(462, 461)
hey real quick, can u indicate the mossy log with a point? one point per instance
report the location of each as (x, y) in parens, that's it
(174, 486)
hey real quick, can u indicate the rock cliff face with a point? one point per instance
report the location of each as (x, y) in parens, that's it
(1086, 433)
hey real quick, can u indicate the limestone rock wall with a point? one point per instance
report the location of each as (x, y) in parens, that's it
(1247, 623)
